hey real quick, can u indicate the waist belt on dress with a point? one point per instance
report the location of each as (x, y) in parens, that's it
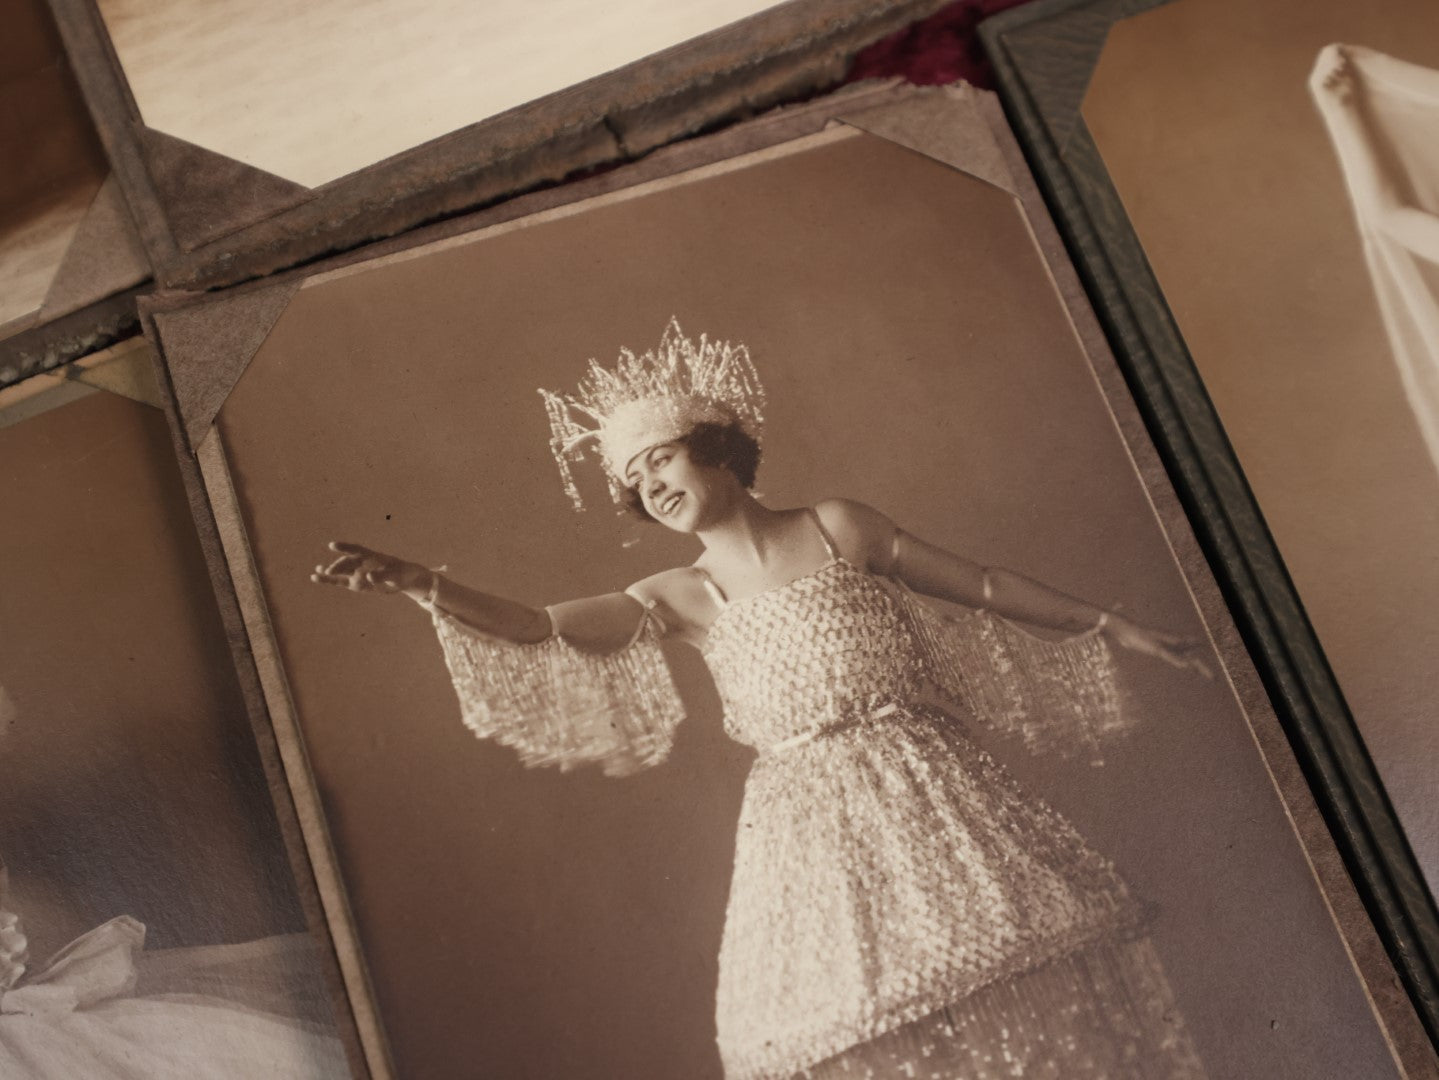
(832, 729)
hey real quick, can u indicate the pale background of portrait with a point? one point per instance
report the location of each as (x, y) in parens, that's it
(131, 784)
(1203, 115)
(533, 923)
(317, 90)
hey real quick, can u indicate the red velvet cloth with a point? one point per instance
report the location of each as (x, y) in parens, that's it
(940, 49)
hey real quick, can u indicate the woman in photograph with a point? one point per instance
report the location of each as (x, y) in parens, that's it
(899, 906)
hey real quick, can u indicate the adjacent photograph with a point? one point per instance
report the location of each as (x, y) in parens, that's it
(1279, 168)
(310, 94)
(252, 138)
(150, 921)
(734, 625)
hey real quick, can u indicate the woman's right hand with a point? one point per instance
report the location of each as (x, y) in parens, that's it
(361, 569)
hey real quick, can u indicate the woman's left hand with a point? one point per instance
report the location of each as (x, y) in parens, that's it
(1171, 648)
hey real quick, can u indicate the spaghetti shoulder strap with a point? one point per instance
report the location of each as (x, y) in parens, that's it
(651, 615)
(715, 592)
(829, 544)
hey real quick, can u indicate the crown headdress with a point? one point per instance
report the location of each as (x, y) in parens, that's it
(652, 398)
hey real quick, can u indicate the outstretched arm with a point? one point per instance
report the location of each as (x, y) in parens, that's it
(596, 623)
(934, 571)
(579, 683)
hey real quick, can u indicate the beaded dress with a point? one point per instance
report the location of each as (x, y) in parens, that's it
(899, 907)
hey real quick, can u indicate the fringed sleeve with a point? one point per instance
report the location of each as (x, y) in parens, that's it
(1060, 696)
(557, 705)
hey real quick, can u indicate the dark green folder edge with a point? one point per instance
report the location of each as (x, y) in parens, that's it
(1043, 54)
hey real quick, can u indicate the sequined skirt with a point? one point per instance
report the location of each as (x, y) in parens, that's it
(1102, 1013)
(884, 872)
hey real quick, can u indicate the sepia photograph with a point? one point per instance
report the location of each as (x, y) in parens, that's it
(731, 623)
(1286, 199)
(150, 921)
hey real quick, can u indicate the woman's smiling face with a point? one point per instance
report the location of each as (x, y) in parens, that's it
(678, 492)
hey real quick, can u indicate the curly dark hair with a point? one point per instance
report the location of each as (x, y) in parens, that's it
(724, 446)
